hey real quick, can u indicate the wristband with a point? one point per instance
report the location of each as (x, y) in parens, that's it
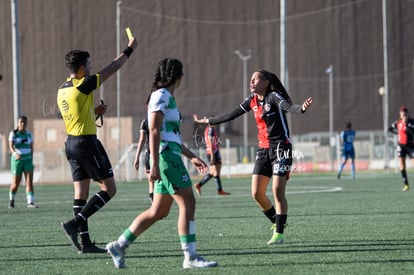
(128, 51)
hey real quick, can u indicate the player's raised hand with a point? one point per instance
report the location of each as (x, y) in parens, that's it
(132, 40)
(307, 104)
(198, 120)
(133, 43)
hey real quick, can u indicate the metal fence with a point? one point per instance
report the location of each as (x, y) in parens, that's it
(311, 152)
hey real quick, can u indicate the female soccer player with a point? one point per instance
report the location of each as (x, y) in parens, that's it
(213, 155)
(167, 170)
(21, 147)
(348, 151)
(144, 142)
(404, 128)
(269, 102)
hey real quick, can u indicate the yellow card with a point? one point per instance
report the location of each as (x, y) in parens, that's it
(129, 33)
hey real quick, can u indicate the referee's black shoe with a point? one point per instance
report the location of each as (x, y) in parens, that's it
(71, 233)
(91, 248)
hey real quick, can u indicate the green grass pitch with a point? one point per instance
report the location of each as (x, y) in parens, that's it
(362, 226)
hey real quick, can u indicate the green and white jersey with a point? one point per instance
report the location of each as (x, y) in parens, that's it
(162, 101)
(22, 143)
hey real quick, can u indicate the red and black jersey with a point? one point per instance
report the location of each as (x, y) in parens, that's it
(212, 140)
(404, 130)
(270, 116)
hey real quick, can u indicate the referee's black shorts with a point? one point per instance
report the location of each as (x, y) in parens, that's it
(87, 158)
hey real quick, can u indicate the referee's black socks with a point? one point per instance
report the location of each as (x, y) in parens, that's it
(93, 205)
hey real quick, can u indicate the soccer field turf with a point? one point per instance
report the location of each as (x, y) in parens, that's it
(362, 226)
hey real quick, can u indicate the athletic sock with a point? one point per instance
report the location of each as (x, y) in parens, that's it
(205, 179)
(353, 169)
(341, 168)
(404, 177)
(270, 214)
(189, 250)
(12, 196)
(30, 197)
(188, 242)
(218, 183)
(93, 205)
(83, 224)
(126, 239)
(280, 223)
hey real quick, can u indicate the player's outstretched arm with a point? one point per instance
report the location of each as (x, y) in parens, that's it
(120, 60)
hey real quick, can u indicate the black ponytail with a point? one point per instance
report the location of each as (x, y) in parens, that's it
(167, 72)
(275, 85)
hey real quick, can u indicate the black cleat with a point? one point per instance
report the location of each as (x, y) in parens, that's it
(72, 234)
(91, 248)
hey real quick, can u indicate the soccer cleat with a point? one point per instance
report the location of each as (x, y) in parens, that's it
(222, 193)
(31, 205)
(198, 188)
(277, 238)
(338, 176)
(11, 204)
(198, 262)
(91, 248)
(72, 234)
(406, 187)
(117, 253)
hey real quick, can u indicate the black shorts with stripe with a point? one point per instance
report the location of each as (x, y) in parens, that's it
(87, 158)
(274, 161)
(217, 158)
(404, 150)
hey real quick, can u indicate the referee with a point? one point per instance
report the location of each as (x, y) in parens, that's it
(85, 153)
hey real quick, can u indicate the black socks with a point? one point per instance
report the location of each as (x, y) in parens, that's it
(404, 176)
(83, 211)
(280, 223)
(279, 220)
(205, 179)
(271, 214)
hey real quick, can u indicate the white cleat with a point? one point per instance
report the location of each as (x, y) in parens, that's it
(117, 253)
(198, 262)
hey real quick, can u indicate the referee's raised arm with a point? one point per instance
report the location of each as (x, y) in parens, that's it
(120, 60)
